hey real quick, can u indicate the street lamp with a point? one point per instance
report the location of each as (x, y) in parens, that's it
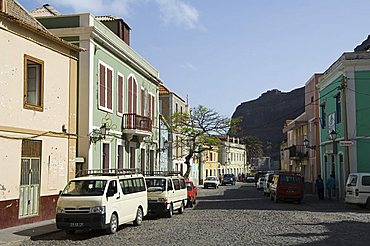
(333, 135)
(306, 144)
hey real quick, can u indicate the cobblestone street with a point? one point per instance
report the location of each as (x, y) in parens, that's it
(238, 215)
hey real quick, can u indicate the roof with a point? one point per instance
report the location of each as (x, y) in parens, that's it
(17, 14)
(45, 10)
(165, 91)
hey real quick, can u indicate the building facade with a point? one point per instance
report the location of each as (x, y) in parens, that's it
(344, 118)
(233, 159)
(118, 98)
(38, 91)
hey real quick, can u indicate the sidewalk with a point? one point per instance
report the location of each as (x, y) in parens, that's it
(16, 235)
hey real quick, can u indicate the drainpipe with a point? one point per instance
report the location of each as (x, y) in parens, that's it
(344, 89)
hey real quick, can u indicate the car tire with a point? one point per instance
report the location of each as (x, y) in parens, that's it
(169, 212)
(271, 197)
(276, 198)
(181, 209)
(139, 217)
(69, 232)
(191, 203)
(113, 225)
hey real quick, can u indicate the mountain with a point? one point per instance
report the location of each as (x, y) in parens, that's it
(265, 117)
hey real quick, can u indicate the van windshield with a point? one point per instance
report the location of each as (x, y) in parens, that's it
(352, 180)
(290, 179)
(85, 188)
(155, 184)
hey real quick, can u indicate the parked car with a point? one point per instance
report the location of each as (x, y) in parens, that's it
(250, 179)
(287, 186)
(211, 181)
(166, 193)
(358, 189)
(228, 179)
(260, 183)
(267, 184)
(192, 193)
(102, 202)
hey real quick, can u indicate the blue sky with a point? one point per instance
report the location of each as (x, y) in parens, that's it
(222, 53)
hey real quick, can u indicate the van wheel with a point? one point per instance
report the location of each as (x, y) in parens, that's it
(70, 231)
(139, 217)
(368, 203)
(276, 199)
(113, 225)
(181, 209)
(169, 212)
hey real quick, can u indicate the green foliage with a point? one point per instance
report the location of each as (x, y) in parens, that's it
(254, 147)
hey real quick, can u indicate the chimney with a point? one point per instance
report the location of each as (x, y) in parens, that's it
(118, 26)
(124, 32)
(4, 6)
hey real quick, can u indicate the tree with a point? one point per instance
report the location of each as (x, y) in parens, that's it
(254, 147)
(198, 130)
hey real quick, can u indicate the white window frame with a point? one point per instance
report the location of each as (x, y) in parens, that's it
(123, 94)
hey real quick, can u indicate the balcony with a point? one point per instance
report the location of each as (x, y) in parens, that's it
(134, 125)
(298, 152)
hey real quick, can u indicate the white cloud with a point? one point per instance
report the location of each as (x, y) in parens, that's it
(172, 12)
(188, 65)
(179, 13)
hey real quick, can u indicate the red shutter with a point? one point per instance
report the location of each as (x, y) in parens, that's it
(134, 84)
(142, 102)
(102, 86)
(130, 95)
(120, 94)
(109, 89)
(149, 105)
(153, 112)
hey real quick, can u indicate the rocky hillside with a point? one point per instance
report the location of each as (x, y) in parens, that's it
(264, 117)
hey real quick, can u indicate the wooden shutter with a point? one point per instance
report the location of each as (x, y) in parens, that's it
(134, 85)
(109, 88)
(120, 94)
(130, 95)
(142, 102)
(102, 86)
(149, 105)
(152, 110)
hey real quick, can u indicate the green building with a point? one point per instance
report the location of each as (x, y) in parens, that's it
(118, 96)
(344, 101)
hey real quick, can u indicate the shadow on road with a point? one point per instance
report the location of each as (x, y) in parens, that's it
(340, 233)
(248, 197)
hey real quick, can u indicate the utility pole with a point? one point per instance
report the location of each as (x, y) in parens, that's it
(344, 89)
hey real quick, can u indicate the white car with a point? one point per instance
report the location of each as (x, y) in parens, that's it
(260, 183)
(211, 181)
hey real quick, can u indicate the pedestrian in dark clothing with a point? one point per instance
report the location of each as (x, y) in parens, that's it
(331, 186)
(320, 187)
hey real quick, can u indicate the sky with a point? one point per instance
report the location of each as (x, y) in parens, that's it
(221, 53)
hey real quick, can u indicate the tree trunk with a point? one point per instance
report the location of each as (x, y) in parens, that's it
(187, 162)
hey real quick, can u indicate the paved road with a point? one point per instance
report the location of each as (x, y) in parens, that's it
(238, 215)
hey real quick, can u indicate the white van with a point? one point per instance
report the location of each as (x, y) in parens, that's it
(166, 194)
(102, 201)
(358, 189)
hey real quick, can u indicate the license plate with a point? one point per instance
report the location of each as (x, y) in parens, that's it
(76, 224)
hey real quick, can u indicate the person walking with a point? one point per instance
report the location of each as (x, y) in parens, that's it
(331, 186)
(320, 187)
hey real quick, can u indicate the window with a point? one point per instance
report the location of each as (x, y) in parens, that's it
(120, 94)
(366, 180)
(338, 108)
(143, 104)
(105, 87)
(33, 83)
(169, 185)
(323, 115)
(182, 184)
(132, 95)
(176, 183)
(120, 157)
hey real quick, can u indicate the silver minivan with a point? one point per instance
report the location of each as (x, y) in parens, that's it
(358, 189)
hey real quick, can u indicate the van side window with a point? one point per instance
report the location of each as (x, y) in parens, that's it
(138, 185)
(169, 185)
(128, 186)
(366, 180)
(176, 183)
(113, 186)
(182, 184)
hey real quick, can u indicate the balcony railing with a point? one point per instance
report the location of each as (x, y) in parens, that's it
(298, 152)
(136, 122)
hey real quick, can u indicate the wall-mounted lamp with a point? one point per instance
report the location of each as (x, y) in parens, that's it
(333, 135)
(306, 144)
(99, 134)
